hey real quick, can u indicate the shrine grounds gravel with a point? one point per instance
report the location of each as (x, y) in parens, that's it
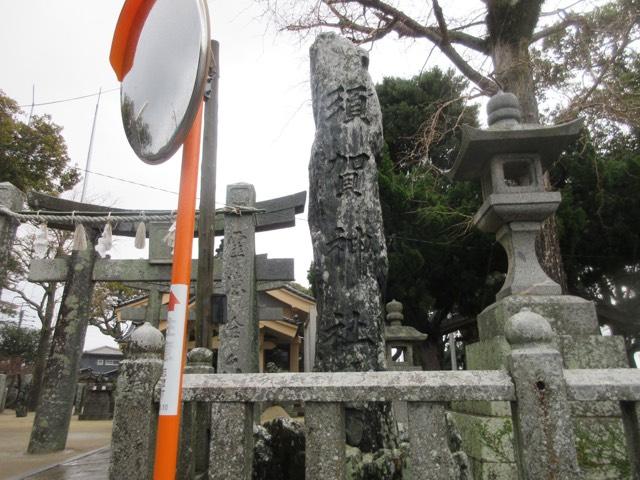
(84, 436)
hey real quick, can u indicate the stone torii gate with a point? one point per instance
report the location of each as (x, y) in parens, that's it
(82, 269)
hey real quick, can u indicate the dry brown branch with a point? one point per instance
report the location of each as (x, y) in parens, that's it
(571, 19)
(430, 134)
(341, 15)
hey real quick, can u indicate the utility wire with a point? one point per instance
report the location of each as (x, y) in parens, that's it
(68, 99)
(138, 184)
(125, 181)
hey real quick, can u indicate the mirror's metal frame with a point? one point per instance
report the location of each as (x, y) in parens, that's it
(183, 128)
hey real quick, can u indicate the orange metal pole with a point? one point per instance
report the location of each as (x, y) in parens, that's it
(176, 341)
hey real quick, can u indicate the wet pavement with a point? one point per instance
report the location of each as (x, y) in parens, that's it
(94, 466)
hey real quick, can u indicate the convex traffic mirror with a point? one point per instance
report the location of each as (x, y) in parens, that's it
(162, 62)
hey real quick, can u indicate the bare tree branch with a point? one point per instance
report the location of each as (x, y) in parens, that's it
(25, 298)
(442, 24)
(569, 20)
(407, 26)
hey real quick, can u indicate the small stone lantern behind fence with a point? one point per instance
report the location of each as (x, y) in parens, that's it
(509, 158)
(400, 340)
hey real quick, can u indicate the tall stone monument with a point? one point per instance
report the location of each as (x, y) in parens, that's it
(345, 220)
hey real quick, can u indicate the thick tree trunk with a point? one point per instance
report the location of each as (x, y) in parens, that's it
(44, 345)
(513, 72)
(430, 357)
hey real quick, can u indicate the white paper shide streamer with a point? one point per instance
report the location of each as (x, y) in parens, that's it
(41, 241)
(105, 242)
(79, 238)
(141, 236)
(170, 237)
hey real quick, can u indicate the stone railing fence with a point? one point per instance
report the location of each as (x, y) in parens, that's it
(535, 383)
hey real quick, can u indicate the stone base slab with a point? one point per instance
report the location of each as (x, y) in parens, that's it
(593, 351)
(567, 315)
(493, 471)
(485, 438)
(489, 354)
(600, 445)
(488, 442)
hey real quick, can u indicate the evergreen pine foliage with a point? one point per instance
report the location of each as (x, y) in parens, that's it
(33, 155)
(439, 266)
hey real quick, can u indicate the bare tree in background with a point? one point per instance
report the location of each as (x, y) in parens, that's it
(42, 302)
(106, 297)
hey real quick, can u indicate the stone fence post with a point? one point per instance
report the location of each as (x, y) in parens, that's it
(193, 460)
(543, 430)
(135, 419)
(13, 199)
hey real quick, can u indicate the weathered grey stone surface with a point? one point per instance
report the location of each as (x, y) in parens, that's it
(159, 251)
(278, 212)
(231, 451)
(590, 385)
(460, 457)
(193, 457)
(437, 386)
(152, 312)
(344, 209)
(135, 418)
(108, 270)
(430, 458)
(525, 276)
(3, 391)
(51, 424)
(239, 344)
(592, 351)
(486, 426)
(401, 337)
(483, 470)
(13, 199)
(345, 220)
(567, 315)
(325, 441)
(510, 158)
(507, 135)
(631, 422)
(543, 429)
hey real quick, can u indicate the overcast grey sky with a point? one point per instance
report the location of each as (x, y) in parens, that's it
(265, 121)
(266, 125)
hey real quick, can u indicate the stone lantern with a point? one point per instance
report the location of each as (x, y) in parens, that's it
(400, 339)
(509, 158)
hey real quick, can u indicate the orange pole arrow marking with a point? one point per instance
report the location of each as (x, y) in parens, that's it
(176, 340)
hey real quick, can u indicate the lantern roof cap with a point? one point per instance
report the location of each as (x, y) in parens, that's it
(506, 135)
